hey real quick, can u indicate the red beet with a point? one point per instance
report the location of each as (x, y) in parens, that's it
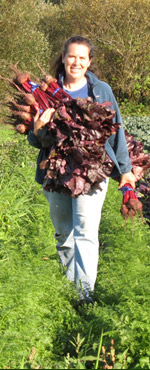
(21, 107)
(23, 115)
(131, 213)
(23, 77)
(43, 86)
(135, 204)
(49, 79)
(30, 99)
(21, 128)
(124, 211)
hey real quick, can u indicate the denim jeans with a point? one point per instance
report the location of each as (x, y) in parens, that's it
(76, 222)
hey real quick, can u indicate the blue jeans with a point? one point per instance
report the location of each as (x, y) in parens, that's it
(76, 222)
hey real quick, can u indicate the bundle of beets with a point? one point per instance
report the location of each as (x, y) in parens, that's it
(143, 193)
(131, 204)
(76, 134)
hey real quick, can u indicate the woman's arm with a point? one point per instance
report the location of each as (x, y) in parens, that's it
(119, 146)
(37, 136)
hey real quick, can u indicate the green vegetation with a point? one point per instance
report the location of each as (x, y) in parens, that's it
(139, 127)
(22, 38)
(40, 327)
(120, 31)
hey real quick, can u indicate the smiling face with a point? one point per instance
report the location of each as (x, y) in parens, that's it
(76, 62)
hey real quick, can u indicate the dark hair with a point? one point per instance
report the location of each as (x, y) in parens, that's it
(58, 66)
(79, 40)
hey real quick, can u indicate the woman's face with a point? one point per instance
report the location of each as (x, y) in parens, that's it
(76, 62)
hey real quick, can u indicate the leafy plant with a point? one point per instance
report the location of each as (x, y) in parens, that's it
(139, 127)
(121, 35)
(23, 38)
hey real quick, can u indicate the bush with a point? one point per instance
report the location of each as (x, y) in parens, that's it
(120, 31)
(23, 39)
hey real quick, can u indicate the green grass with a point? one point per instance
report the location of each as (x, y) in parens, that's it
(39, 326)
(7, 133)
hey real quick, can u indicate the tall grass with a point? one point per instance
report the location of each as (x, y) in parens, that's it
(39, 324)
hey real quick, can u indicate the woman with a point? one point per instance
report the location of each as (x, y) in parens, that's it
(76, 220)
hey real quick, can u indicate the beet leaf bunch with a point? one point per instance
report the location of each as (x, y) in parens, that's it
(76, 134)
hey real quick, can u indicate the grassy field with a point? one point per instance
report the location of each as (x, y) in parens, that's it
(40, 328)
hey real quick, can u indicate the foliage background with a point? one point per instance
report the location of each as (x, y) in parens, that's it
(120, 31)
(22, 38)
(121, 34)
(39, 326)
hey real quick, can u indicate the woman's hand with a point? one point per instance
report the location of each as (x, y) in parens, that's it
(43, 120)
(128, 177)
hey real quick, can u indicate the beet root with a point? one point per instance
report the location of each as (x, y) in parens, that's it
(23, 115)
(30, 99)
(49, 79)
(131, 208)
(135, 204)
(131, 213)
(21, 128)
(43, 86)
(25, 108)
(23, 77)
(124, 211)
